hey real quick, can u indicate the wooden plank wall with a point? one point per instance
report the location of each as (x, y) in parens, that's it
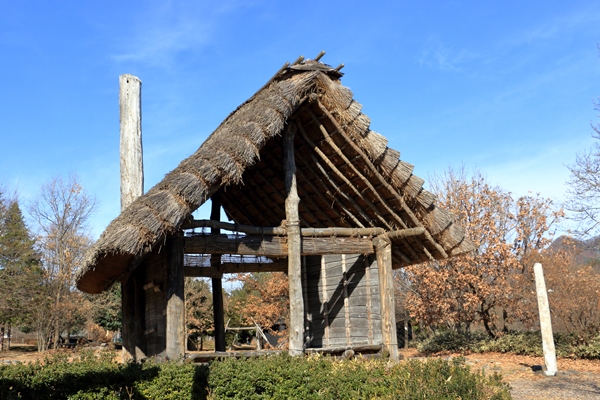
(343, 302)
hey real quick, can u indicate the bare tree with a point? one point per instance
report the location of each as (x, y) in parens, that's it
(583, 197)
(61, 211)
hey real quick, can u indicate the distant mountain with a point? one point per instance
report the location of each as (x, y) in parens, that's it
(587, 251)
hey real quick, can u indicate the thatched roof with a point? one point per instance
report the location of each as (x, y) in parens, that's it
(347, 177)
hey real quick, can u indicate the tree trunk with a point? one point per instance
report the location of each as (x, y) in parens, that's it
(56, 332)
(485, 317)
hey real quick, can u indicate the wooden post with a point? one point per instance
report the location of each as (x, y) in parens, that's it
(175, 330)
(132, 186)
(383, 252)
(132, 165)
(217, 283)
(545, 321)
(296, 328)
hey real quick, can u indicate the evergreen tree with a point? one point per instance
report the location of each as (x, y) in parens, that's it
(106, 308)
(20, 273)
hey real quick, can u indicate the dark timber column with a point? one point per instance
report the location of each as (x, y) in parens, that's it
(217, 284)
(294, 246)
(383, 252)
(133, 310)
(132, 186)
(175, 298)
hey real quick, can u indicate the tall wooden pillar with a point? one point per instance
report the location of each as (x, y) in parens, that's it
(383, 252)
(132, 186)
(131, 154)
(296, 328)
(217, 283)
(175, 318)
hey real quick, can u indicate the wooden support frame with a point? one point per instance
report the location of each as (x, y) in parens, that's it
(376, 173)
(341, 176)
(331, 193)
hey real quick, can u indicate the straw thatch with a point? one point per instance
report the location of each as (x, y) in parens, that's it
(347, 177)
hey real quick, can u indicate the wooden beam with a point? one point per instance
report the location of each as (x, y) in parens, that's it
(235, 268)
(282, 231)
(275, 246)
(383, 252)
(404, 233)
(296, 328)
(248, 229)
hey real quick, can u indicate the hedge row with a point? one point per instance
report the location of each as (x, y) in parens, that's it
(99, 377)
(272, 377)
(521, 343)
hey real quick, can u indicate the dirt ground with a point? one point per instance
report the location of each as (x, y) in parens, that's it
(576, 379)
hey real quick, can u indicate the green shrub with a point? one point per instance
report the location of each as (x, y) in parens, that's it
(590, 351)
(450, 341)
(273, 377)
(521, 343)
(92, 377)
(316, 377)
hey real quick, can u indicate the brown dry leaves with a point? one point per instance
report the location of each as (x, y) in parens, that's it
(490, 285)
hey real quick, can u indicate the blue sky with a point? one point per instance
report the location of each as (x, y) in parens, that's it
(504, 87)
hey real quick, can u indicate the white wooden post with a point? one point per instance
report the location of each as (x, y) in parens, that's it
(132, 186)
(132, 166)
(545, 321)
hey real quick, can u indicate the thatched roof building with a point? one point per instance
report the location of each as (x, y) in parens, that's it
(347, 177)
